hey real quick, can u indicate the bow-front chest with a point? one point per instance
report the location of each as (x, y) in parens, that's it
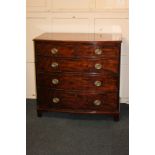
(78, 73)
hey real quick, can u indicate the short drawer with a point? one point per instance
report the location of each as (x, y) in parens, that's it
(81, 100)
(100, 83)
(55, 49)
(47, 64)
(97, 51)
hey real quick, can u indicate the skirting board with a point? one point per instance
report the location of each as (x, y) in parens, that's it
(124, 100)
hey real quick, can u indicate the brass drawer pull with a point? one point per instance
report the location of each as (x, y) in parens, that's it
(55, 81)
(98, 83)
(55, 100)
(98, 66)
(54, 51)
(98, 51)
(54, 65)
(97, 102)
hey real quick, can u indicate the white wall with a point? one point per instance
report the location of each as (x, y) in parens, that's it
(87, 16)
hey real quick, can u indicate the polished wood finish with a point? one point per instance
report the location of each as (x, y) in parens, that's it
(77, 100)
(77, 65)
(75, 50)
(78, 73)
(110, 39)
(78, 82)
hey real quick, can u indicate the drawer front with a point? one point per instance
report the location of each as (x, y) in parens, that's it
(47, 64)
(78, 82)
(55, 49)
(75, 50)
(69, 100)
(97, 51)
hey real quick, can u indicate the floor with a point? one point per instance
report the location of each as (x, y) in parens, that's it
(70, 134)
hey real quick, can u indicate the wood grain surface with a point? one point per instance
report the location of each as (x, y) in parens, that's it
(71, 64)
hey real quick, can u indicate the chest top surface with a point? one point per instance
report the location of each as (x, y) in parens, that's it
(86, 37)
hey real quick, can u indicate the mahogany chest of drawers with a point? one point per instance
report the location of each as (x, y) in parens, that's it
(78, 73)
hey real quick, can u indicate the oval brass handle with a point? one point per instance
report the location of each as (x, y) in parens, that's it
(54, 64)
(98, 51)
(54, 51)
(97, 102)
(98, 66)
(55, 100)
(98, 83)
(55, 81)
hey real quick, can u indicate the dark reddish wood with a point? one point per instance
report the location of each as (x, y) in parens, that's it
(78, 82)
(64, 49)
(83, 50)
(76, 100)
(76, 73)
(107, 39)
(75, 50)
(77, 65)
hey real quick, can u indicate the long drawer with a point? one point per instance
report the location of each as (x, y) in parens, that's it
(75, 49)
(71, 100)
(48, 64)
(99, 82)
